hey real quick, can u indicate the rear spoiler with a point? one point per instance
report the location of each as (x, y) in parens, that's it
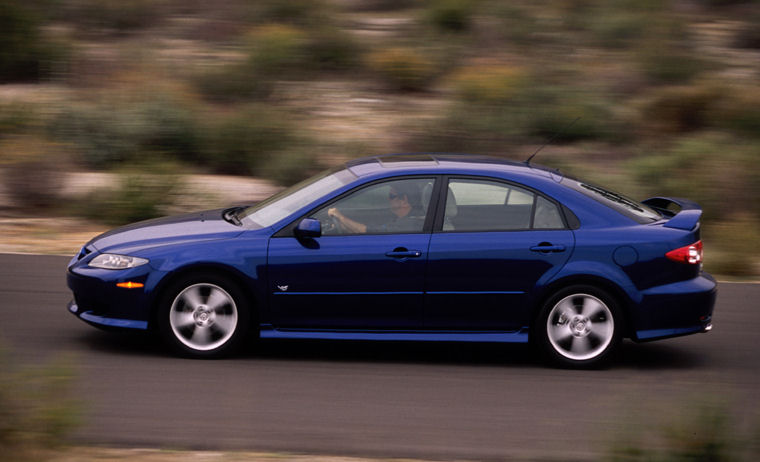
(686, 217)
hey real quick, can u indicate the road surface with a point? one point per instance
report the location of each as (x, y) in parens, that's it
(442, 401)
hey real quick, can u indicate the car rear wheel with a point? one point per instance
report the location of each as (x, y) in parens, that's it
(579, 327)
(203, 316)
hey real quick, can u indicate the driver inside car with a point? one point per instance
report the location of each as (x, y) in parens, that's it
(404, 202)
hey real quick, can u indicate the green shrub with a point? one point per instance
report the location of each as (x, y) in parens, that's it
(243, 142)
(450, 15)
(111, 132)
(112, 15)
(402, 68)
(748, 36)
(291, 166)
(33, 171)
(682, 109)
(490, 84)
(698, 433)
(331, 48)
(37, 411)
(670, 64)
(381, 5)
(303, 12)
(515, 22)
(142, 191)
(26, 54)
(511, 101)
(277, 50)
(740, 111)
(233, 82)
(17, 119)
(568, 114)
(726, 241)
(712, 169)
(616, 23)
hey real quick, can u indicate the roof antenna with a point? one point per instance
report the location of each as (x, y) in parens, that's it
(551, 139)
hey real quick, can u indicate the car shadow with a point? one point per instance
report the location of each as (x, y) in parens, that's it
(646, 356)
(659, 355)
(448, 353)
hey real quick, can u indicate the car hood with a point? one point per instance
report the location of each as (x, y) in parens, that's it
(200, 226)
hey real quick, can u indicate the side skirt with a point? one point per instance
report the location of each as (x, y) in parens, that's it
(521, 336)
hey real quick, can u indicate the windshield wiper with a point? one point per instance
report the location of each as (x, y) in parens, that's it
(230, 215)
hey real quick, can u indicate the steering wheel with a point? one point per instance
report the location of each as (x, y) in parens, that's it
(335, 225)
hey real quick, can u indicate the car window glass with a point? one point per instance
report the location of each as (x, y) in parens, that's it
(397, 206)
(486, 206)
(479, 193)
(547, 215)
(284, 203)
(518, 196)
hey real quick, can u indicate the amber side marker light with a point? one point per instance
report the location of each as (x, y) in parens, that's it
(130, 285)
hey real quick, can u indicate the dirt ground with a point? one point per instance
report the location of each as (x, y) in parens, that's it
(85, 454)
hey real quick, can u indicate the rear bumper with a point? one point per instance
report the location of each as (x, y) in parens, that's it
(672, 310)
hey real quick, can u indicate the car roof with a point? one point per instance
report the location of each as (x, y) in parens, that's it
(443, 162)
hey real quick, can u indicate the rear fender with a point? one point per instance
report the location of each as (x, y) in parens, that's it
(608, 277)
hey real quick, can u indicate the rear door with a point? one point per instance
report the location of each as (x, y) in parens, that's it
(494, 242)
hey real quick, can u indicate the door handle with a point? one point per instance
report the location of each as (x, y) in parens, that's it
(546, 247)
(401, 252)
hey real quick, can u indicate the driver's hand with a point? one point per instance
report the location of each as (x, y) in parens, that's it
(333, 212)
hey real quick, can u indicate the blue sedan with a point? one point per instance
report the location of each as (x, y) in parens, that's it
(410, 247)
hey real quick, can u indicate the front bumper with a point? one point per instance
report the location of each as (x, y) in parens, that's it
(98, 300)
(105, 322)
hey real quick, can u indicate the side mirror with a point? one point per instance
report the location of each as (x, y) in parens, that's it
(308, 227)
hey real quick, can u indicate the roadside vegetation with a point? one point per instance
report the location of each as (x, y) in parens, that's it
(704, 430)
(37, 410)
(665, 95)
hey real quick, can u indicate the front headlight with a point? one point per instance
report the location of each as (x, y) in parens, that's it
(113, 261)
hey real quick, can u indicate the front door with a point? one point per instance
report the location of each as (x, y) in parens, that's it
(367, 270)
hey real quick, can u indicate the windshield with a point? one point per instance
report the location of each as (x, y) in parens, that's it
(628, 207)
(288, 201)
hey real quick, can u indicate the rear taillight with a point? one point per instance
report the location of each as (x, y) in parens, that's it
(690, 254)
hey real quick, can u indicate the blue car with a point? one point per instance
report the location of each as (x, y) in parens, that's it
(410, 247)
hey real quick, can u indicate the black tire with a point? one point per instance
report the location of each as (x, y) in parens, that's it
(579, 327)
(203, 315)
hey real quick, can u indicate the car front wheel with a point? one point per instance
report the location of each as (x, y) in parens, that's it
(580, 327)
(203, 316)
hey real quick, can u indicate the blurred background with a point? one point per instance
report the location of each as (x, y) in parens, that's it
(113, 111)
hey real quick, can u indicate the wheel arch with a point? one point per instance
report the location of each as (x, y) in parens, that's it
(223, 271)
(620, 296)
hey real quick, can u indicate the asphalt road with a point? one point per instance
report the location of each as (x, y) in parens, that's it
(444, 401)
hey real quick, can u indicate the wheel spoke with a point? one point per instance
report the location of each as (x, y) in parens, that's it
(217, 299)
(192, 297)
(182, 319)
(591, 307)
(602, 330)
(201, 336)
(580, 345)
(225, 323)
(560, 332)
(567, 308)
